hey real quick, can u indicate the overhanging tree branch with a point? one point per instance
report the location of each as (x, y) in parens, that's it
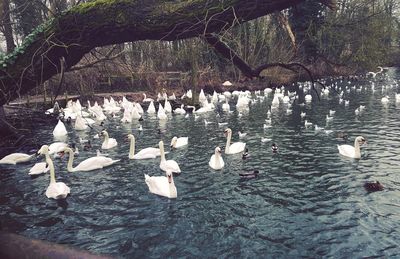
(98, 23)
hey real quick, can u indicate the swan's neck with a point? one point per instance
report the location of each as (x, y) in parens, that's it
(132, 148)
(217, 159)
(357, 152)
(51, 166)
(162, 153)
(228, 142)
(106, 139)
(70, 161)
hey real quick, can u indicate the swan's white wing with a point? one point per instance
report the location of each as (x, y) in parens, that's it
(237, 147)
(346, 150)
(15, 158)
(170, 165)
(157, 185)
(213, 162)
(57, 147)
(94, 163)
(144, 156)
(57, 190)
(182, 141)
(150, 150)
(39, 168)
(111, 143)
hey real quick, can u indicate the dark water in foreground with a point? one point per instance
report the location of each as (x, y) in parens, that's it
(308, 201)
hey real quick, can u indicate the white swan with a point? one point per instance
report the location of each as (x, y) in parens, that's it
(151, 108)
(350, 151)
(92, 163)
(166, 165)
(146, 99)
(57, 147)
(146, 153)
(108, 142)
(308, 98)
(226, 107)
(80, 123)
(242, 134)
(39, 168)
(216, 162)
(227, 83)
(385, 99)
(202, 96)
(161, 113)
(180, 110)
(59, 129)
(15, 158)
(179, 142)
(167, 106)
(56, 190)
(233, 148)
(162, 185)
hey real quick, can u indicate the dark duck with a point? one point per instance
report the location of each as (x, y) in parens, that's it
(245, 154)
(87, 146)
(274, 148)
(249, 175)
(373, 187)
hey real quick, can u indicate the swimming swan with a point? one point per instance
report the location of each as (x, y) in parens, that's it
(162, 185)
(56, 190)
(216, 162)
(166, 165)
(350, 151)
(15, 158)
(59, 129)
(108, 142)
(179, 142)
(146, 153)
(39, 168)
(92, 163)
(233, 148)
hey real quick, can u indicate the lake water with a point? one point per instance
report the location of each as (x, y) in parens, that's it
(308, 201)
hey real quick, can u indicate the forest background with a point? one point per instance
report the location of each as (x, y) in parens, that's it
(356, 37)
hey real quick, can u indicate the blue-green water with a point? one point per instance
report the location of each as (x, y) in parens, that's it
(307, 201)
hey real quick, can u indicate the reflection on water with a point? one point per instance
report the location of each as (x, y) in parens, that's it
(307, 200)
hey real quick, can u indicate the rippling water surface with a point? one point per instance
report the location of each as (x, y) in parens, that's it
(307, 201)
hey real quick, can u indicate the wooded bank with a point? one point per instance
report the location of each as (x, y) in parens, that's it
(63, 41)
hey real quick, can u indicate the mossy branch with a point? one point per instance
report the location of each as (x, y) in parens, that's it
(103, 22)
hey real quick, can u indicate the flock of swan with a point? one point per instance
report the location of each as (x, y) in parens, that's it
(84, 118)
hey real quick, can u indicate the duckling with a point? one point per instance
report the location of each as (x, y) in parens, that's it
(245, 154)
(249, 175)
(373, 187)
(87, 146)
(274, 148)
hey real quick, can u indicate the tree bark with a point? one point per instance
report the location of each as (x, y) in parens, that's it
(99, 23)
(6, 23)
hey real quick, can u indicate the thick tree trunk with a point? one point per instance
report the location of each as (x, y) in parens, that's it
(6, 23)
(99, 23)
